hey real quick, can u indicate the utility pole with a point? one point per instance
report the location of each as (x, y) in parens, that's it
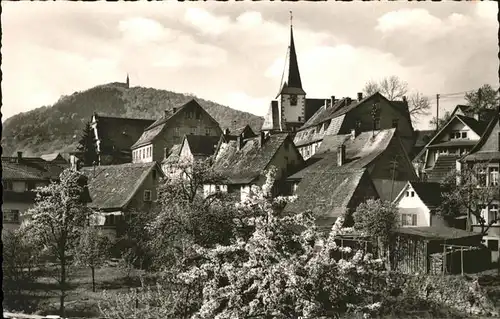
(437, 112)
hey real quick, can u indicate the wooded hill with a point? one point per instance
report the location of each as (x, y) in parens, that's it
(57, 128)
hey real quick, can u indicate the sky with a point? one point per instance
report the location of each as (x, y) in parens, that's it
(234, 53)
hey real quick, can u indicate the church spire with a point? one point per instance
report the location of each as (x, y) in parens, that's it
(293, 67)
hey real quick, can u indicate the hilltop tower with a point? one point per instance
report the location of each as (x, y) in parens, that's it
(128, 82)
(287, 111)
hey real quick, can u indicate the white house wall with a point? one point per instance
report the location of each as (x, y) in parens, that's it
(413, 205)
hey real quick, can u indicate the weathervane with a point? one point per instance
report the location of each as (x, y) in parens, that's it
(291, 19)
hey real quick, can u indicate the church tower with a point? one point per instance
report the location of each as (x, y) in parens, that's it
(287, 112)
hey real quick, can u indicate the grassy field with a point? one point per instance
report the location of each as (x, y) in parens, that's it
(43, 297)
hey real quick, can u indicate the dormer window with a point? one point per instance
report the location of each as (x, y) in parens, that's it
(293, 100)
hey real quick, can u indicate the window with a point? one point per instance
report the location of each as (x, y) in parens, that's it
(176, 132)
(376, 123)
(154, 174)
(147, 195)
(464, 134)
(7, 185)
(299, 118)
(493, 244)
(407, 194)
(208, 131)
(198, 115)
(395, 123)
(493, 213)
(409, 219)
(493, 176)
(193, 130)
(412, 194)
(293, 100)
(11, 216)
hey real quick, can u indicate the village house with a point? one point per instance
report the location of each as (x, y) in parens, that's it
(338, 117)
(454, 140)
(193, 148)
(486, 153)
(242, 163)
(159, 138)
(418, 203)
(381, 152)
(119, 191)
(347, 170)
(20, 177)
(114, 136)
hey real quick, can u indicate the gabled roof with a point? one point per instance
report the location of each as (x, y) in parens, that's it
(30, 168)
(327, 192)
(245, 165)
(245, 130)
(360, 152)
(201, 145)
(472, 123)
(311, 135)
(429, 193)
(157, 127)
(444, 165)
(387, 187)
(114, 186)
(312, 106)
(53, 156)
(119, 133)
(345, 105)
(478, 153)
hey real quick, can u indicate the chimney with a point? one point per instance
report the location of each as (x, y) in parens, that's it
(354, 133)
(262, 139)
(239, 142)
(19, 156)
(405, 99)
(328, 103)
(348, 101)
(360, 96)
(165, 113)
(226, 131)
(275, 114)
(341, 155)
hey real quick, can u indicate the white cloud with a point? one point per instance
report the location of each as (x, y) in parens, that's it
(243, 102)
(487, 10)
(185, 52)
(408, 19)
(206, 22)
(249, 19)
(141, 30)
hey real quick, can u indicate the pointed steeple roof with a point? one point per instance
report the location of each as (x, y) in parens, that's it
(293, 67)
(294, 83)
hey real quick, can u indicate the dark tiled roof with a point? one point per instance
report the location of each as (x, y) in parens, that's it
(154, 129)
(479, 152)
(456, 143)
(113, 186)
(475, 125)
(385, 187)
(326, 192)
(120, 133)
(340, 107)
(245, 165)
(245, 130)
(311, 134)
(360, 152)
(429, 193)
(30, 168)
(202, 145)
(444, 165)
(437, 233)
